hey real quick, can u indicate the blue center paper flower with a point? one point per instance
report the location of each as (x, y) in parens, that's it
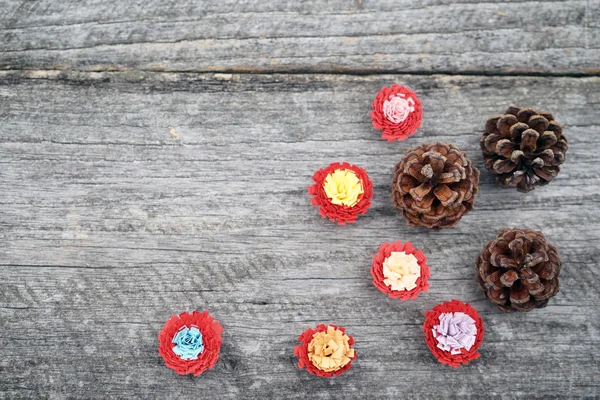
(188, 343)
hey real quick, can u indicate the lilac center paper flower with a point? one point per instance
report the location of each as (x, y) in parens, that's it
(456, 331)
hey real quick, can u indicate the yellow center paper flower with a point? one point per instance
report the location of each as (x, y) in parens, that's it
(330, 351)
(343, 187)
(401, 271)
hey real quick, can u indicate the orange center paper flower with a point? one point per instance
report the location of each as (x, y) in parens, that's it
(330, 351)
(401, 271)
(325, 351)
(343, 187)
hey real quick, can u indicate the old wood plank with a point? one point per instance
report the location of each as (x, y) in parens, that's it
(558, 37)
(127, 197)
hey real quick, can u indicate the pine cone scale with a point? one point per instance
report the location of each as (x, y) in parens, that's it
(415, 169)
(516, 131)
(516, 156)
(536, 258)
(519, 294)
(532, 281)
(555, 128)
(504, 166)
(406, 183)
(523, 115)
(491, 123)
(489, 144)
(547, 157)
(505, 148)
(497, 296)
(539, 123)
(509, 278)
(435, 161)
(491, 279)
(419, 193)
(445, 195)
(517, 248)
(449, 177)
(529, 141)
(547, 139)
(505, 123)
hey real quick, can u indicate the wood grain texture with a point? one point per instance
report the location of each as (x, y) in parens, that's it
(423, 36)
(130, 196)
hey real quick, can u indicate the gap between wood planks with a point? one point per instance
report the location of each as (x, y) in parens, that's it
(347, 72)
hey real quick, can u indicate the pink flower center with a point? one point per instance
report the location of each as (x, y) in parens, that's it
(397, 108)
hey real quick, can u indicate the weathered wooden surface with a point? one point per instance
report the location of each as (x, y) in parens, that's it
(522, 36)
(130, 196)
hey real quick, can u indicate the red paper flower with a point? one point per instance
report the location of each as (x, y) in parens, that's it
(397, 111)
(341, 191)
(210, 342)
(306, 353)
(385, 283)
(453, 309)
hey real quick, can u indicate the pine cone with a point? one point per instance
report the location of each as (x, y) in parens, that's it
(519, 270)
(434, 185)
(523, 148)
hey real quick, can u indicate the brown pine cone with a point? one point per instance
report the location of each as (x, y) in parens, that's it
(519, 270)
(434, 185)
(523, 148)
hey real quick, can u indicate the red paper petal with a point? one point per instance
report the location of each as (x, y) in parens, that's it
(385, 250)
(396, 131)
(301, 351)
(340, 213)
(432, 319)
(211, 336)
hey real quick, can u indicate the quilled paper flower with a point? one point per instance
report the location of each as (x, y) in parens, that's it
(400, 271)
(325, 351)
(342, 191)
(397, 112)
(453, 332)
(190, 342)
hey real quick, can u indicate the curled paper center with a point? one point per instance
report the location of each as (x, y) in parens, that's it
(401, 271)
(330, 351)
(343, 187)
(188, 343)
(397, 108)
(455, 331)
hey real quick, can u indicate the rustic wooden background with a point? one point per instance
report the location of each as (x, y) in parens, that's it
(155, 158)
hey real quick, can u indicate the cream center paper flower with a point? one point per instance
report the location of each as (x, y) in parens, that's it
(397, 108)
(401, 271)
(330, 351)
(343, 187)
